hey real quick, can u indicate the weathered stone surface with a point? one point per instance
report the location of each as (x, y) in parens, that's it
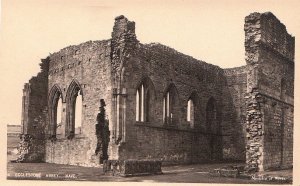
(34, 113)
(243, 113)
(270, 55)
(132, 167)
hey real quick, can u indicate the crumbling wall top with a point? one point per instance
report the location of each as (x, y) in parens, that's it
(163, 50)
(266, 30)
(123, 26)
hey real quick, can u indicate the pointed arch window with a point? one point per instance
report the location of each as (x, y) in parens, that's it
(170, 106)
(59, 128)
(55, 110)
(74, 110)
(140, 107)
(190, 112)
(192, 103)
(78, 114)
(145, 95)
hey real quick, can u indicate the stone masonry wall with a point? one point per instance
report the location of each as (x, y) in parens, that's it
(34, 113)
(239, 113)
(287, 143)
(178, 143)
(236, 79)
(123, 46)
(278, 67)
(89, 65)
(278, 138)
(270, 58)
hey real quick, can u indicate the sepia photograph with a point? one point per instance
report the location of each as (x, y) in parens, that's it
(182, 91)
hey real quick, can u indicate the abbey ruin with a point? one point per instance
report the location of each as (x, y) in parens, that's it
(150, 102)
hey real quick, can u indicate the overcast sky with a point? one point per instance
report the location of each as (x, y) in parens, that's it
(208, 30)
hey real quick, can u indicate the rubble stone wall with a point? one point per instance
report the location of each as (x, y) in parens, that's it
(270, 58)
(34, 113)
(89, 65)
(236, 87)
(278, 138)
(179, 142)
(243, 113)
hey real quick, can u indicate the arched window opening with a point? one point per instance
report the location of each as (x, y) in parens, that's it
(55, 111)
(59, 131)
(192, 107)
(74, 110)
(78, 114)
(170, 102)
(190, 112)
(145, 95)
(140, 95)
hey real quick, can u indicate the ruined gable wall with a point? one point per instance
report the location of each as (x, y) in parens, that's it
(270, 57)
(34, 112)
(89, 64)
(179, 144)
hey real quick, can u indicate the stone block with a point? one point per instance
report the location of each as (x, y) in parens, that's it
(131, 167)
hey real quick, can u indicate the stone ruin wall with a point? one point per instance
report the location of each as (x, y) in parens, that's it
(270, 57)
(276, 81)
(179, 143)
(236, 87)
(34, 115)
(123, 46)
(254, 102)
(89, 65)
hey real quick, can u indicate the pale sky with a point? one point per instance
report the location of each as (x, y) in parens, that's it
(208, 30)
